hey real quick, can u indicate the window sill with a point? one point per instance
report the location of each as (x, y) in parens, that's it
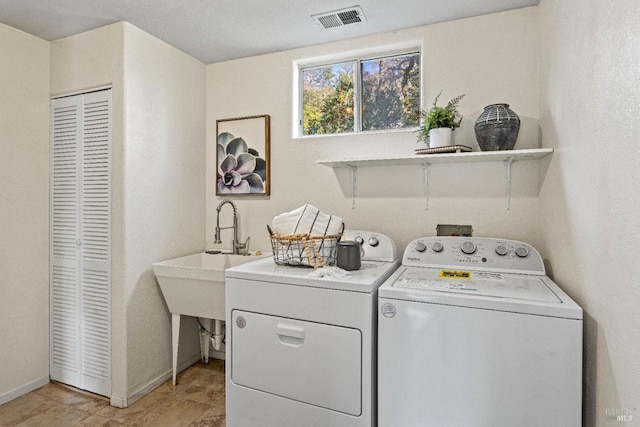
(352, 134)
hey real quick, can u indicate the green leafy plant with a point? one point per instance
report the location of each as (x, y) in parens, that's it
(439, 117)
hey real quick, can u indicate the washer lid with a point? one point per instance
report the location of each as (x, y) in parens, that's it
(367, 279)
(517, 293)
(477, 283)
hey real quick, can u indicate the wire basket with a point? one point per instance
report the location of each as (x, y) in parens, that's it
(304, 250)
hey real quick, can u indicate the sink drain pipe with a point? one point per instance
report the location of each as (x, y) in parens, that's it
(218, 335)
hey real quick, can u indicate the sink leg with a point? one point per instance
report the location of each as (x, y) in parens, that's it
(175, 339)
(207, 324)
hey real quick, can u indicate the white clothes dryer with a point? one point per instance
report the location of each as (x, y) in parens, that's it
(472, 333)
(301, 349)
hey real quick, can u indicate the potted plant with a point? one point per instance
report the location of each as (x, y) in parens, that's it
(438, 122)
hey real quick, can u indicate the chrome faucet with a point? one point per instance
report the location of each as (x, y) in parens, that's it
(237, 247)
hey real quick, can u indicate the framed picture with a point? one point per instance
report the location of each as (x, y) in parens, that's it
(243, 156)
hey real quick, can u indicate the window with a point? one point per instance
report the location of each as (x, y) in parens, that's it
(361, 95)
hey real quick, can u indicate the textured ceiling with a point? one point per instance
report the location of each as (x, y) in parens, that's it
(216, 30)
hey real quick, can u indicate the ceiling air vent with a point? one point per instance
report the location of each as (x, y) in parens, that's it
(340, 18)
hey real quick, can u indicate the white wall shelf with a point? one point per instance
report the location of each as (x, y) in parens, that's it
(507, 157)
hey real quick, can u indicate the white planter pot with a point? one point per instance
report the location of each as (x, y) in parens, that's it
(440, 137)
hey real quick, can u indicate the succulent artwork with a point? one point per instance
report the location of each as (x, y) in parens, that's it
(241, 170)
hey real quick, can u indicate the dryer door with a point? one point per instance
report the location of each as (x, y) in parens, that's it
(310, 362)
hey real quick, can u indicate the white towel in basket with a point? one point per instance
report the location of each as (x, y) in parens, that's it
(306, 219)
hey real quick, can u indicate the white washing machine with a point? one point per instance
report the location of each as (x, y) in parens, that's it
(471, 332)
(301, 350)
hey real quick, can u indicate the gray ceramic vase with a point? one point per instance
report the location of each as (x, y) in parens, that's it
(497, 128)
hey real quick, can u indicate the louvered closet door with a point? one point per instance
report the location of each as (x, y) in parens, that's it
(88, 366)
(95, 246)
(65, 352)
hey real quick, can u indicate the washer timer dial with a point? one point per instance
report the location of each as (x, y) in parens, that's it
(468, 247)
(501, 250)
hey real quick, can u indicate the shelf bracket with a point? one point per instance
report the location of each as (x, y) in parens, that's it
(507, 180)
(354, 173)
(425, 170)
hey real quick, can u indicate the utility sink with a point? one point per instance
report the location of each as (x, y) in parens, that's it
(193, 285)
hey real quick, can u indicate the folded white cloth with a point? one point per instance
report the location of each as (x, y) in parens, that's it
(330, 272)
(306, 219)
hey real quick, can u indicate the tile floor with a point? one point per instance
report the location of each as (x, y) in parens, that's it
(197, 401)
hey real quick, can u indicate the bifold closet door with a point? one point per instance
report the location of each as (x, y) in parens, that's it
(80, 343)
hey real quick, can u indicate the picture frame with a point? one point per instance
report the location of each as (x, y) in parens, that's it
(243, 156)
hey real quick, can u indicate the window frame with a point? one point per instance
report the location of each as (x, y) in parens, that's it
(355, 58)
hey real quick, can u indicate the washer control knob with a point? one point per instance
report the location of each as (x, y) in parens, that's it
(437, 247)
(373, 241)
(522, 251)
(501, 250)
(359, 239)
(468, 247)
(421, 247)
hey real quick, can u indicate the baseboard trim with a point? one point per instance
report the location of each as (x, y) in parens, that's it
(123, 402)
(118, 401)
(17, 392)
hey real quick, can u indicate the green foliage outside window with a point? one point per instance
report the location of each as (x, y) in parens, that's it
(328, 99)
(390, 96)
(391, 92)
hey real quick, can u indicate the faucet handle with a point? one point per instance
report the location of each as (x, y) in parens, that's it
(243, 248)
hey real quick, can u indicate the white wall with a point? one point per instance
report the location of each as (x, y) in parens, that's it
(24, 212)
(491, 58)
(589, 203)
(164, 162)
(157, 184)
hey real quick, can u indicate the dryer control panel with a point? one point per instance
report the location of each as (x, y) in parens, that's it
(474, 253)
(375, 246)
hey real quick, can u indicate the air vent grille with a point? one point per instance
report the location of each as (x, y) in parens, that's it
(349, 17)
(340, 18)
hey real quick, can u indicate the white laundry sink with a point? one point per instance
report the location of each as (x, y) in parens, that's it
(194, 284)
